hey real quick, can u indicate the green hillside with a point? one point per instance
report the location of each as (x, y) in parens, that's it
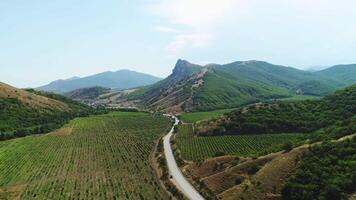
(29, 112)
(345, 74)
(87, 93)
(192, 87)
(221, 90)
(279, 76)
(326, 172)
(193, 117)
(288, 117)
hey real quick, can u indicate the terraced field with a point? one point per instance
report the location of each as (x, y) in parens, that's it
(200, 148)
(100, 157)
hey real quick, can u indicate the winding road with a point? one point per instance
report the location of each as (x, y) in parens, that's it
(178, 179)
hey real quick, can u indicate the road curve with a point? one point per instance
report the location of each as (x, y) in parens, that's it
(179, 180)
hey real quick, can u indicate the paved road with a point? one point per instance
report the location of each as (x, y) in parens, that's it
(182, 184)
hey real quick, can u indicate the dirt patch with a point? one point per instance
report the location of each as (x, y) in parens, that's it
(210, 166)
(223, 181)
(352, 197)
(270, 179)
(12, 192)
(64, 131)
(246, 178)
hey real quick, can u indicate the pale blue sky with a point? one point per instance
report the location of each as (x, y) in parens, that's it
(44, 40)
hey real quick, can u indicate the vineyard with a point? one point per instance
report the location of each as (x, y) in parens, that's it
(100, 157)
(198, 116)
(200, 148)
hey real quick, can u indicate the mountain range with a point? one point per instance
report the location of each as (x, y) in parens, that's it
(122, 79)
(192, 87)
(345, 74)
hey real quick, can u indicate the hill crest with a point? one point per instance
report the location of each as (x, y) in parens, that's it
(193, 87)
(30, 99)
(121, 79)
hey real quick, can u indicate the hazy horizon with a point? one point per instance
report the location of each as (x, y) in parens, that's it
(45, 41)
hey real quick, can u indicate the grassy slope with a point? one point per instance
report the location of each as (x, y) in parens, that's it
(343, 73)
(283, 117)
(221, 90)
(326, 172)
(193, 117)
(31, 100)
(25, 112)
(200, 148)
(87, 93)
(98, 157)
(280, 77)
(300, 98)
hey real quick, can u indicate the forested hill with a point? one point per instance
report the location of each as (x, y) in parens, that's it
(192, 87)
(87, 93)
(24, 112)
(338, 109)
(341, 73)
(122, 79)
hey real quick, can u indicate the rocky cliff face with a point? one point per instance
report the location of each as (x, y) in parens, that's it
(184, 69)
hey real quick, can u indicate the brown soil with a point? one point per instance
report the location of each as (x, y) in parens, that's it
(12, 192)
(63, 131)
(228, 180)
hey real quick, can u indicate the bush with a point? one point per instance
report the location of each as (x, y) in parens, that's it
(288, 146)
(219, 153)
(253, 169)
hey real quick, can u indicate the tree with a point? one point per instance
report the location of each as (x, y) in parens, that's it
(219, 153)
(2, 135)
(287, 146)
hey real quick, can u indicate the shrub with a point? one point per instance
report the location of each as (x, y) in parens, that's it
(287, 146)
(219, 153)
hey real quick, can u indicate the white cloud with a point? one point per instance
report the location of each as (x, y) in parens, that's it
(198, 17)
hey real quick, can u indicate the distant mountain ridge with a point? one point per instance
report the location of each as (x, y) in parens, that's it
(343, 73)
(122, 79)
(192, 87)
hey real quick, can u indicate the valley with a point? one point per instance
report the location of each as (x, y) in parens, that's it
(177, 100)
(245, 132)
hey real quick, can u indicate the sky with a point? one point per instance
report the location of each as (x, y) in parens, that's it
(46, 40)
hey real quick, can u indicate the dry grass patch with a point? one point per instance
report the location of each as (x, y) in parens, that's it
(64, 131)
(30, 99)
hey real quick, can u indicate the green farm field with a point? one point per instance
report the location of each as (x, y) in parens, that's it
(200, 148)
(198, 116)
(300, 98)
(98, 157)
